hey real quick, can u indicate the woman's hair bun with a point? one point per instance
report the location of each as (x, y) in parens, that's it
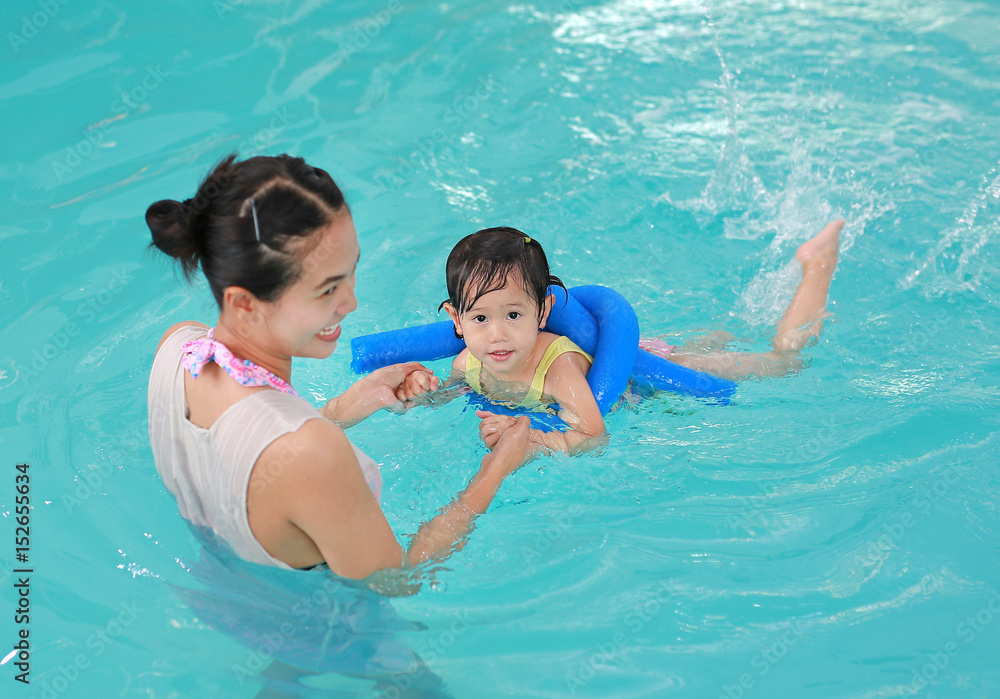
(167, 221)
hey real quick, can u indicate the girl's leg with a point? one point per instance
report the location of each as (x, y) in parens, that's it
(802, 321)
(803, 318)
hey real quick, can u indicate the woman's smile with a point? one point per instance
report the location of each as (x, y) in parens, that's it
(330, 333)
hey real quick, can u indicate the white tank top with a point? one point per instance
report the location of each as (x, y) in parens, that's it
(208, 470)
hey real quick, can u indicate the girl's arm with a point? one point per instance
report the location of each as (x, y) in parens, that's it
(566, 382)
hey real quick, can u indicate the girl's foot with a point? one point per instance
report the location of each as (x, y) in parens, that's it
(822, 249)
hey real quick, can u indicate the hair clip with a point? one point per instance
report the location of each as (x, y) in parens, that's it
(256, 227)
(527, 240)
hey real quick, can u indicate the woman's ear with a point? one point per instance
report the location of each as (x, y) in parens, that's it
(453, 314)
(546, 310)
(242, 308)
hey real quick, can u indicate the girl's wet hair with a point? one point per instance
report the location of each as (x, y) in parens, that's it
(484, 261)
(249, 224)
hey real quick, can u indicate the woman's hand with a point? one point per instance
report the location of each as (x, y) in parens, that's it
(493, 426)
(512, 447)
(380, 389)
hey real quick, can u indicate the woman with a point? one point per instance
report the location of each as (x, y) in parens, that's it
(243, 454)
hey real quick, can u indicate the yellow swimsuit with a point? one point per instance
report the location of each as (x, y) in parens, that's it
(560, 345)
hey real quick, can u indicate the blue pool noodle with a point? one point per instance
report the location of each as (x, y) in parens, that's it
(420, 343)
(579, 319)
(604, 325)
(596, 318)
(614, 348)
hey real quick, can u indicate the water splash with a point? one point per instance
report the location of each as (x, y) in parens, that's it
(979, 222)
(792, 213)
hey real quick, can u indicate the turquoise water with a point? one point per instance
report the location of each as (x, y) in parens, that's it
(830, 534)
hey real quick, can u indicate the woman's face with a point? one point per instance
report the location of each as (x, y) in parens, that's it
(305, 320)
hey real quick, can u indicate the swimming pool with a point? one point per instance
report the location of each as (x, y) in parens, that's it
(830, 534)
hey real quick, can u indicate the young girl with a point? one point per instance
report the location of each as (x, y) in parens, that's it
(497, 287)
(497, 280)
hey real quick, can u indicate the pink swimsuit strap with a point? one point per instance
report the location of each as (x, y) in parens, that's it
(198, 353)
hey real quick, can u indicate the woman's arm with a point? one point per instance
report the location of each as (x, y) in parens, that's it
(386, 388)
(439, 535)
(323, 495)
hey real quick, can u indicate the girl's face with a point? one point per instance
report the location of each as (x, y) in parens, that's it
(501, 331)
(305, 320)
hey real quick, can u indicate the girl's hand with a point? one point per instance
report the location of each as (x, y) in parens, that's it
(493, 426)
(417, 383)
(376, 391)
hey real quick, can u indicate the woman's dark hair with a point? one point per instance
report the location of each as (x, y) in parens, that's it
(247, 223)
(484, 261)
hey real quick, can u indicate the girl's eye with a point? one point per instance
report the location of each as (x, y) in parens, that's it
(514, 315)
(329, 291)
(479, 319)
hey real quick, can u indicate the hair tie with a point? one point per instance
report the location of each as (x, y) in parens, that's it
(256, 227)
(527, 240)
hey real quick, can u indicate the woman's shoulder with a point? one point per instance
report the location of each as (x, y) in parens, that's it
(316, 446)
(177, 326)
